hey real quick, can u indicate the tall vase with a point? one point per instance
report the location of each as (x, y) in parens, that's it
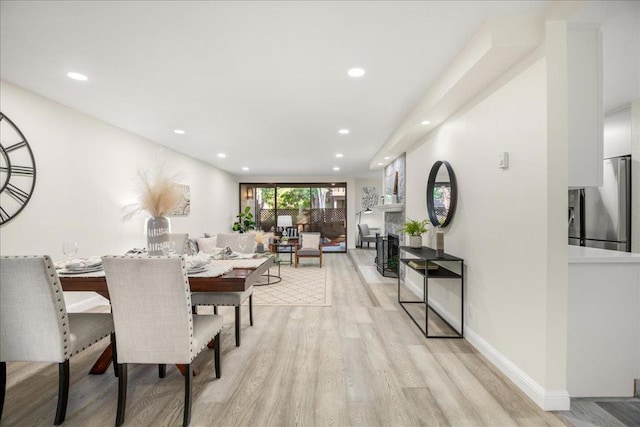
(158, 229)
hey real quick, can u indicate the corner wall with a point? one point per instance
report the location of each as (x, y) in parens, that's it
(499, 228)
(86, 173)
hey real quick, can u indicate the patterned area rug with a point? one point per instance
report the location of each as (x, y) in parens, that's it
(305, 285)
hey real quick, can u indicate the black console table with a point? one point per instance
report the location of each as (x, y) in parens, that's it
(426, 263)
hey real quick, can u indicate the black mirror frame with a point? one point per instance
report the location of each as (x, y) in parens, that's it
(454, 193)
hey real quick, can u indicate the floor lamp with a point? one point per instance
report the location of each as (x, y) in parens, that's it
(359, 215)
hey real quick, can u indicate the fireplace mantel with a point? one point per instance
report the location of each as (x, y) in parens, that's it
(391, 207)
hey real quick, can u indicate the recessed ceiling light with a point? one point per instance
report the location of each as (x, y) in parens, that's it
(339, 155)
(380, 164)
(356, 72)
(244, 168)
(387, 158)
(425, 122)
(178, 131)
(335, 168)
(222, 155)
(77, 76)
(343, 131)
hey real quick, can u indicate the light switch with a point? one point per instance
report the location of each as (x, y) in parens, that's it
(503, 160)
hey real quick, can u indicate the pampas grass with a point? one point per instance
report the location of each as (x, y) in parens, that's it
(158, 194)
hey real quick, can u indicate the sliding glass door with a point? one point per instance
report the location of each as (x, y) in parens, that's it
(317, 207)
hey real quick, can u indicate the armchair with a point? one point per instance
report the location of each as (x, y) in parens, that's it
(366, 234)
(309, 246)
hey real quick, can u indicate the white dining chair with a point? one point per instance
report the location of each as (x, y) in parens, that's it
(151, 305)
(231, 299)
(180, 243)
(35, 325)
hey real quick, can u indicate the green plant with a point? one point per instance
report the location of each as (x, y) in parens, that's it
(414, 228)
(245, 221)
(392, 264)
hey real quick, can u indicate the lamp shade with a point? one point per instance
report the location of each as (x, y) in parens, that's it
(284, 221)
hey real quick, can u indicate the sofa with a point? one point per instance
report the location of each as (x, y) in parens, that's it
(238, 242)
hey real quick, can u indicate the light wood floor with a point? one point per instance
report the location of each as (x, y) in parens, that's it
(359, 362)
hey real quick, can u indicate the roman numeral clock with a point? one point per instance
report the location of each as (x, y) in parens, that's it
(17, 170)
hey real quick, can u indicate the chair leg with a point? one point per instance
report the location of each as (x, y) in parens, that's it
(216, 355)
(63, 392)
(251, 309)
(187, 395)
(238, 326)
(114, 354)
(162, 370)
(3, 385)
(122, 393)
(215, 309)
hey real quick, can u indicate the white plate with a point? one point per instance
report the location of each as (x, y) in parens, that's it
(84, 271)
(197, 270)
(87, 267)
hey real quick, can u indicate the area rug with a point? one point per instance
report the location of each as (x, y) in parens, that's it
(306, 285)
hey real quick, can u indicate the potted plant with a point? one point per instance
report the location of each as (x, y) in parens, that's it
(245, 221)
(415, 230)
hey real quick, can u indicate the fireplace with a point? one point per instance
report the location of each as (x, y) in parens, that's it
(387, 254)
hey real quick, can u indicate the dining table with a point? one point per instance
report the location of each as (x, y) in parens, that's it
(221, 276)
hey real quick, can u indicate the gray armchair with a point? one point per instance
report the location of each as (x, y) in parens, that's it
(366, 234)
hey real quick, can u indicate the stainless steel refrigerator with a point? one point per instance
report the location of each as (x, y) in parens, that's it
(601, 217)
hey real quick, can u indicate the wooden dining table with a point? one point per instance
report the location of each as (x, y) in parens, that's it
(235, 280)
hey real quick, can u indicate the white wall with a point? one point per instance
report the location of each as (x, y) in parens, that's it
(373, 219)
(86, 173)
(500, 225)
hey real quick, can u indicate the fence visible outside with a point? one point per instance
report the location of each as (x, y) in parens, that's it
(331, 222)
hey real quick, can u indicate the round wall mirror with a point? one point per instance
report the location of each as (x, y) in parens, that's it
(442, 194)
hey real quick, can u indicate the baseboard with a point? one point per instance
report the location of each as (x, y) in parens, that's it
(548, 400)
(85, 304)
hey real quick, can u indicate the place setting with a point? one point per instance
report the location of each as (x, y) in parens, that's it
(77, 266)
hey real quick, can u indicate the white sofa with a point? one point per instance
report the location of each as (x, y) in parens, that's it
(238, 242)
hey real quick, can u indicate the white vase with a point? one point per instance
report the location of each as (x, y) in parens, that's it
(415, 242)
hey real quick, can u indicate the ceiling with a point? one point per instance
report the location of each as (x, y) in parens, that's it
(263, 82)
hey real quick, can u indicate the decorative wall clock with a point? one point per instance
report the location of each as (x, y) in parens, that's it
(17, 170)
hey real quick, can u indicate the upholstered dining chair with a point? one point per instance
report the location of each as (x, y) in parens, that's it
(35, 325)
(309, 246)
(180, 243)
(233, 299)
(151, 305)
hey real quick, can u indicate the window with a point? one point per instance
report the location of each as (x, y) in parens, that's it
(317, 207)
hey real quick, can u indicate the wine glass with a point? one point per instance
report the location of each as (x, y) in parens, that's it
(70, 249)
(169, 248)
(243, 240)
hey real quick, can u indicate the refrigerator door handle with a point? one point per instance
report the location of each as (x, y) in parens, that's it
(624, 197)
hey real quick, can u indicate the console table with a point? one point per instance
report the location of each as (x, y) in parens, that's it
(427, 264)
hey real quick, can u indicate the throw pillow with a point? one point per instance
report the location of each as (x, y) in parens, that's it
(208, 245)
(310, 241)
